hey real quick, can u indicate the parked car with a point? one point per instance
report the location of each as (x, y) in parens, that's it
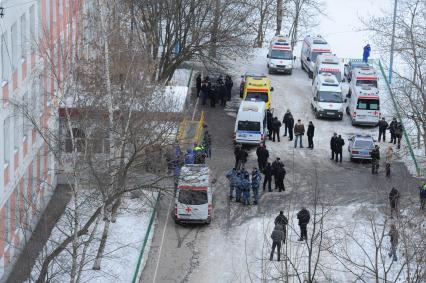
(357, 63)
(360, 147)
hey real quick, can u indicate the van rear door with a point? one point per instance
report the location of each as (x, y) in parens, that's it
(192, 204)
(368, 109)
(249, 132)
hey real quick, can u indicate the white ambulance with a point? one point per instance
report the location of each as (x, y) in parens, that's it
(312, 47)
(194, 195)
(280, 55)
(327, 100)
(250, 125)
(328, 63)
(364, 106)
(364, 76)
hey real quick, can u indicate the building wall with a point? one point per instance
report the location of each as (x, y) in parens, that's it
(27, 176)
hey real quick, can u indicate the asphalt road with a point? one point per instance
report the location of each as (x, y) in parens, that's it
(198, 254)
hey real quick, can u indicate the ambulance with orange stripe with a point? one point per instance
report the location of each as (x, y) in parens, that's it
(312, 47)
(280, 55)
(258, 89)
(328, 63)
(364, 101)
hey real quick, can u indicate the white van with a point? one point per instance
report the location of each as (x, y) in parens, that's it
(250, 125)
(193, 198)
(312, 47)
(327, 100)
(365, 76)
(364, 106)
(280, 55)
(328, 63)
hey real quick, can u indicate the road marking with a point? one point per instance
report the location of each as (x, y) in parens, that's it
(162, 241)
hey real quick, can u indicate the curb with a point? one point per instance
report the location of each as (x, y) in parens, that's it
(138, 271)
(418, 171)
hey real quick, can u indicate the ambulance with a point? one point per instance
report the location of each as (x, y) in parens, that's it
(364, 106)
(258, 89)
(250, 125)
(312, 47)
(194, 195)
(364, 76)
(280, 55)
(327, 100)
(328, 63)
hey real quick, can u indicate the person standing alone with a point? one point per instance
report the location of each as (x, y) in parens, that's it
(310, 134)
(277, 237)
(339, 147)
(303, 216)
(366, 53)
(383, 126)
(299, 131)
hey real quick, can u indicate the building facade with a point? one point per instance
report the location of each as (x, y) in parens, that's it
(29, 33)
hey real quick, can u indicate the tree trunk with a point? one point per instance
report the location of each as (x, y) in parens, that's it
(279, 16)
(102, 244)
(215, 29)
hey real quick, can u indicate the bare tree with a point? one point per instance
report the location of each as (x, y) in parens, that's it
(280, 11)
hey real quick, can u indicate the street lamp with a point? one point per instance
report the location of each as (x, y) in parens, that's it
(392, 42)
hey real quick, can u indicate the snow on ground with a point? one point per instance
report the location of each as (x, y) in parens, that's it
(122, 248)
(242, 254)
(180, 77)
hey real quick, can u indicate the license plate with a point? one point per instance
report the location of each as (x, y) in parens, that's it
(243, 136)
(364, 152)
(330, 113)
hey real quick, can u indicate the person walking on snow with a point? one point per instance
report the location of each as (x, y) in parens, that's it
(398, 133)
(388, 160)
(366, 53)
(269, 119)
(268, 177)
(290, 126)
(383, 125)
(276, 125)
(286, 121)
(423, 197)
(262, 156)
(228, 84)
(281, 176)
(333, 145)
(277, 237)
(232, 177)
(375, 157)
(276, 165)
(283, 221)
(303, 216)
(394, 201)
(393, 233)
(299, 131)
(243, 157)
(392, 128)
(255, 183)
(310, 134)
(198, 84)
(339, 147)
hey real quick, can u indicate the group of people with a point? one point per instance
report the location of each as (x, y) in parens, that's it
(336, 146)
(275, 169)
(297, 130)
(279, 233)
(241, 182)
(220, 90)
(395, 128)
(199, 153)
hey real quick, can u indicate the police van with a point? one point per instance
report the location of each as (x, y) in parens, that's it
(194, 195)
(258, 89)
(312, 47)
(250, 125)
(280, 55)
(364, 106)
(328, 63)
(327, 100)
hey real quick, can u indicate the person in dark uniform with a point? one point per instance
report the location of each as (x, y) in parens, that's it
(333, 145)
(310, 134)
(268, 177)
(198, 84)
(303, 216)
(339, 148)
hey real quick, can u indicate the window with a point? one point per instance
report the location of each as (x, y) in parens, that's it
(34, 182)
(6, 135)
(281, 54)
(363, 144)
(7, 222)
(5, 59)
(368, 104)
(372, 83)
(17, 209)
(32, 29)
(41, 168)
(329, 96)
(248, 126)
(14, 45)
(258, 96)
(23, 36)
(17, 128)
(192, 197)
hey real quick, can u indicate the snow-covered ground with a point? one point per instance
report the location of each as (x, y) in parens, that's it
(122, 248)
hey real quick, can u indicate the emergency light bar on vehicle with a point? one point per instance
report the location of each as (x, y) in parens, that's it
(328, 70)
(321, 50)
(281, 47)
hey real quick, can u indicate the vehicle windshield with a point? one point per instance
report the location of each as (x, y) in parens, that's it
(372, 83)
(368, 104)
(338, 75)
(281, 54)
(258, 96)
(249, 126)
(314, 55)
(328, 96)
(358, 65)
(192, 197)
(363, 144)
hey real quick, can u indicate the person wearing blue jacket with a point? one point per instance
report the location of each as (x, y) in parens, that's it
(189, 156)
(245, 188)
(232, 177)
(238, 180)
(255, 183)
(366, 54)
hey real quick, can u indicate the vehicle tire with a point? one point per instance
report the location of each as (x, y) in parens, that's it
(341, 118)
(301, 64)
(347, 111)
(269, 71)
(316, 114)
(290, 72)
(311, 74)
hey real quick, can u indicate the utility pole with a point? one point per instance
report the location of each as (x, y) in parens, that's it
(392, 42)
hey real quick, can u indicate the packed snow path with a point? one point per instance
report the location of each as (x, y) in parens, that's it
(235, 247)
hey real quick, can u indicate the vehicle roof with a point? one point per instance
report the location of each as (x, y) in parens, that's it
(280, 42)
(328, 79)
(254, 75)
(328, 58)
(317, 42)
(356, 63)
(194, 175)
(367, 90)
(362, 137)
(365, 71)
(252, 106)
